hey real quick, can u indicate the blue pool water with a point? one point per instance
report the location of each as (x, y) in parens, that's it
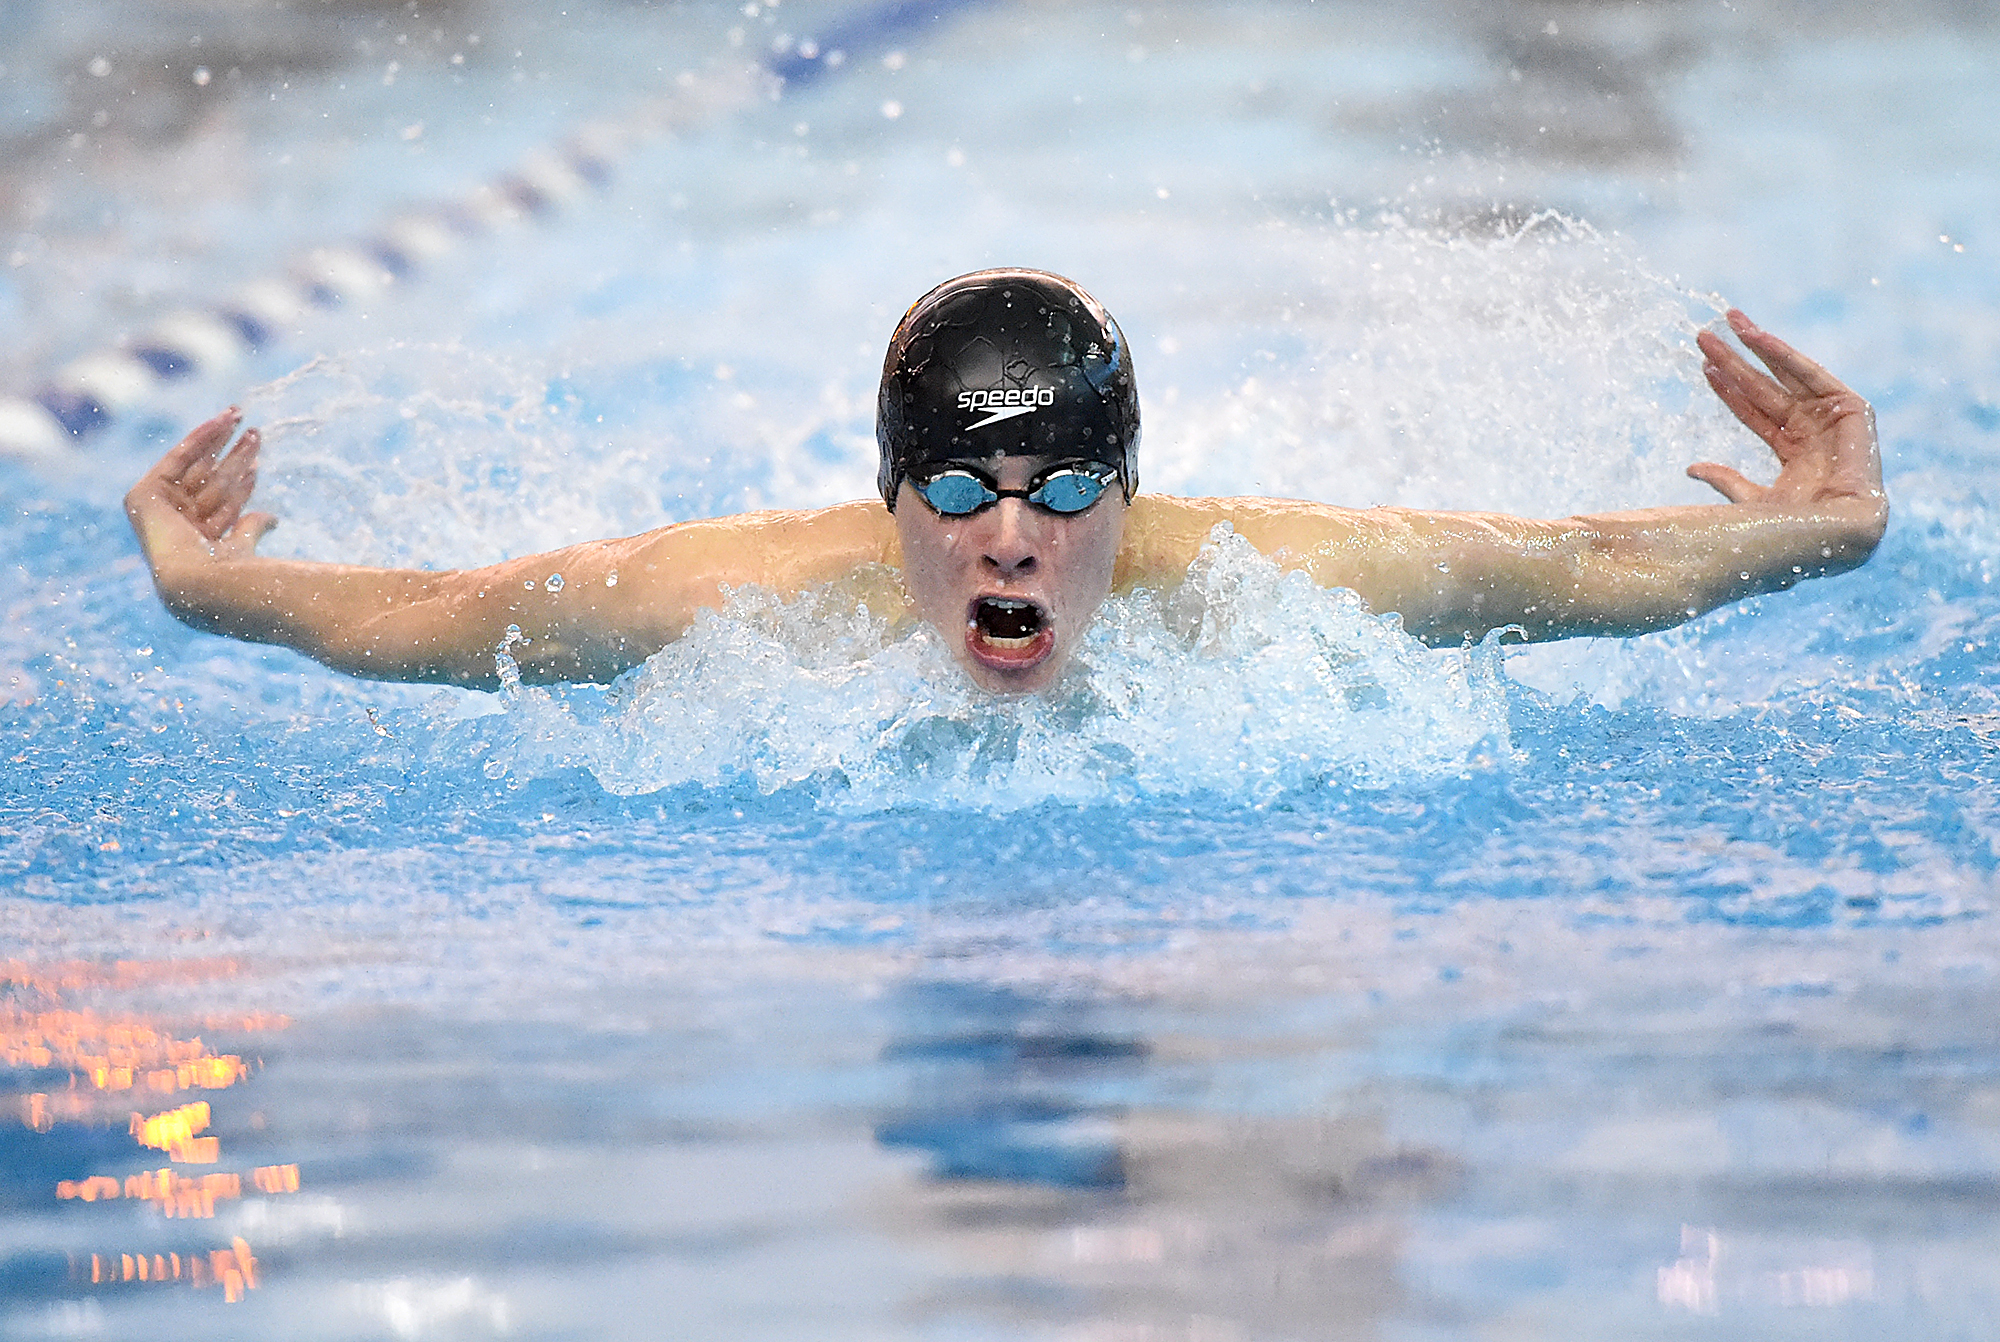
(1277, 978)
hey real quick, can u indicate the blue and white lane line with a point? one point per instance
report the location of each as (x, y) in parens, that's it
(87, 395)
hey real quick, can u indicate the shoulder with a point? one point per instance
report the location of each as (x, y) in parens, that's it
(1164, 533)
(785, 551)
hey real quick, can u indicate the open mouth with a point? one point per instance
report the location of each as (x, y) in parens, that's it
(1007, 634)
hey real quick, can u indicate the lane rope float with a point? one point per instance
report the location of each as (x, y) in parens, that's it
(88, 394)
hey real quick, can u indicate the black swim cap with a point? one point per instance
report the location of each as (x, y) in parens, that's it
(1019, 362)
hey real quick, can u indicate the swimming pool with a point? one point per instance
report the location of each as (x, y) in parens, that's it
(1285, 979)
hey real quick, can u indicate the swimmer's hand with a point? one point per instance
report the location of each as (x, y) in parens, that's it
(188, 510)
(1821, 431)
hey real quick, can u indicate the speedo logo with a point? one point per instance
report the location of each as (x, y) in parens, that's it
(1005, 402)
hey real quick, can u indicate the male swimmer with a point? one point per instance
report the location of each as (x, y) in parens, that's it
(1008, 423)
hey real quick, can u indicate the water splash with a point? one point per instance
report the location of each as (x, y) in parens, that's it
(1537, 369)
(1245, 681)
(442, 456)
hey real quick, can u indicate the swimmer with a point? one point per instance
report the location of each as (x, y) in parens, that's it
(1008, 424)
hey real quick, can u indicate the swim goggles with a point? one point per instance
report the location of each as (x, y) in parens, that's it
(1065, 489)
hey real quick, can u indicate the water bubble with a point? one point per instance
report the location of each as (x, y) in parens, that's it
(555, 582)
(529, 584)
(611, 578)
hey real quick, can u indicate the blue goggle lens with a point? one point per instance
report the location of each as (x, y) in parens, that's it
(1068, 491)
(1064, 491)
(956, 493)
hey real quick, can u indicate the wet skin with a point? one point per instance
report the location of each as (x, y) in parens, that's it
(1012, 587)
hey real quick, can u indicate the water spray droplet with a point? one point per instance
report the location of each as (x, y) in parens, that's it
(507, 669)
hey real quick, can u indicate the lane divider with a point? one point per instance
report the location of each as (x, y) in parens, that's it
(88, 394)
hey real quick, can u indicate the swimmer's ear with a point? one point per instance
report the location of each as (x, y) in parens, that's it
(1732, 484)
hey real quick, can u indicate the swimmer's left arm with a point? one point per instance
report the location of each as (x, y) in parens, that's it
(1453, 576)
(1459, 576)
(1635, 572)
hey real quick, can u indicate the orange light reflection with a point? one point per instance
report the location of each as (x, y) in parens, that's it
(233, 1269)
(109, 1054)
(177, 1194)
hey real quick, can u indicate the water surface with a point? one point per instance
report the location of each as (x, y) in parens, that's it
(1277, 978)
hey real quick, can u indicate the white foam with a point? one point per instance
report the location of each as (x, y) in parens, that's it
(1245, 682)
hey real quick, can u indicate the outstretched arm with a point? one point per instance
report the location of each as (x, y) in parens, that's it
(1633, 572)
(618, 602)
(1454, 576)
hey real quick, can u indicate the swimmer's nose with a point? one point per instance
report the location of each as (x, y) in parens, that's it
(1012, 545)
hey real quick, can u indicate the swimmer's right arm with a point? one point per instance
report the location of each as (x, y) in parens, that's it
(619, 601)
